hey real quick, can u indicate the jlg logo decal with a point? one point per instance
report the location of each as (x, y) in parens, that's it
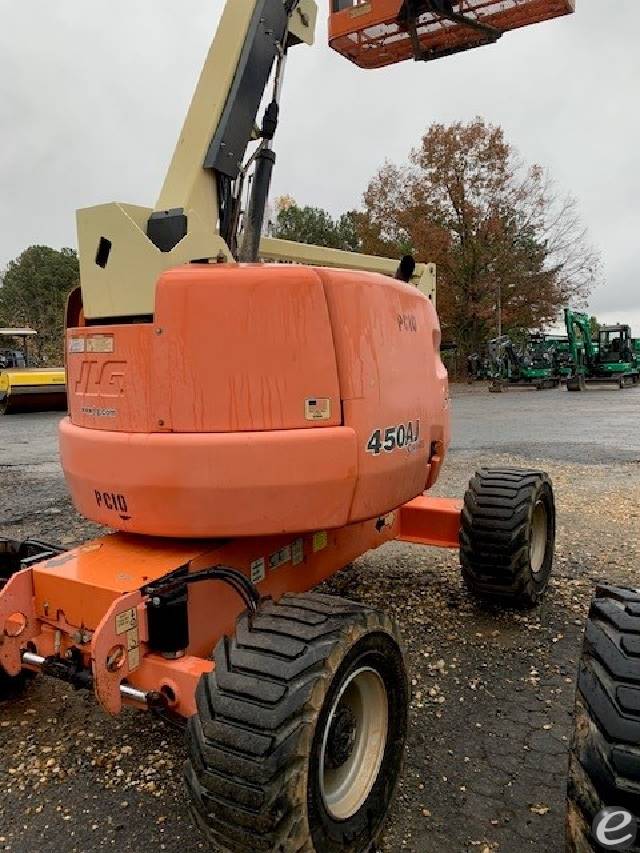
(101, 379)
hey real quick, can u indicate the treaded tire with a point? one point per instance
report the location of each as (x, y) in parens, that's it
(11, 687)
(255, 743)
(604, 760)
(497, 542)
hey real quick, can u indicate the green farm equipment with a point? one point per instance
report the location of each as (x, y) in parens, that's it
(560, 350)
(612, 360)
(533, 368)
(478, 367)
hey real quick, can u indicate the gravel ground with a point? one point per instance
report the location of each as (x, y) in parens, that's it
(492, 690)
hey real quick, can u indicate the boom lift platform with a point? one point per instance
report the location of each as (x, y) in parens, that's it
(248, 430)
(373, 35)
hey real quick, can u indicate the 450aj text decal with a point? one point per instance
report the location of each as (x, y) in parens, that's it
(388, 439)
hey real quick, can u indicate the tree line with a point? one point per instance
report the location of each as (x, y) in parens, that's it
(33, 293)
(511, 250)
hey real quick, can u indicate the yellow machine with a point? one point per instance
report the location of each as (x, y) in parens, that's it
(24, 388)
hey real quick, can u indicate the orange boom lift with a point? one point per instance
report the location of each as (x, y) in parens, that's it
(247, 430)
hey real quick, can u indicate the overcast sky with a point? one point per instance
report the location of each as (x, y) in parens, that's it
(93, 95)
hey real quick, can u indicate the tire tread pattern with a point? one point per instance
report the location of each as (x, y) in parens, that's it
(249, 742)
(494, 549)
(604, 763)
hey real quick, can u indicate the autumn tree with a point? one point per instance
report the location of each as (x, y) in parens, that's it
(314, 225)
(33, 292)
(511, 250)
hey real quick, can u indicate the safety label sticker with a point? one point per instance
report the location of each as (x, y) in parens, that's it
(258, 570)
(280, 558)
(297, 552)
(134, 658)
(133, 639)
(317, 409)
(320, 541)
(100, 343)
(126, 620)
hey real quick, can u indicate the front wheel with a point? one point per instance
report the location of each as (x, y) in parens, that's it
(13, 686)
(604, 760)
(507, 540)
(299, 737)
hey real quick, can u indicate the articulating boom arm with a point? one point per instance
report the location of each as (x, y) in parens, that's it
(578, 322)
(125, 248)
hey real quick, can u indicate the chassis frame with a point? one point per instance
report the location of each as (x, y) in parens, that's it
(115, 616)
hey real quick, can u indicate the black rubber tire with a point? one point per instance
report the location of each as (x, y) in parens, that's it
(576, 383)
(604, 759)
(496, 535)
(12, 687)
(255, 743)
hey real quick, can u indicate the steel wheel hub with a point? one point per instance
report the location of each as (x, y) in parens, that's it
(353, 744)
(538, 545)
(342, 737)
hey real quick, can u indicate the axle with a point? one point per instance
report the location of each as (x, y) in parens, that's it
(128, 693)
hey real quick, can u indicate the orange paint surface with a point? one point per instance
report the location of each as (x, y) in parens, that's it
(371, 35)
(249, 405)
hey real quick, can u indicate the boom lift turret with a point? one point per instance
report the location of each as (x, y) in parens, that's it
(249, 430)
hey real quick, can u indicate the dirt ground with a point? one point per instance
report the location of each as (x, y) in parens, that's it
(492, 690)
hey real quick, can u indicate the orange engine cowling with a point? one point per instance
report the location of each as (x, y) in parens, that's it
(260, 400)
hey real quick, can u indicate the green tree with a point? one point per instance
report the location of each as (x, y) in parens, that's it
(315, 226)
(506, 243)
(33, 292)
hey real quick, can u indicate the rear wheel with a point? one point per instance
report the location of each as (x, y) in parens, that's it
(604, 760)
(508, 535)
(299, 737)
